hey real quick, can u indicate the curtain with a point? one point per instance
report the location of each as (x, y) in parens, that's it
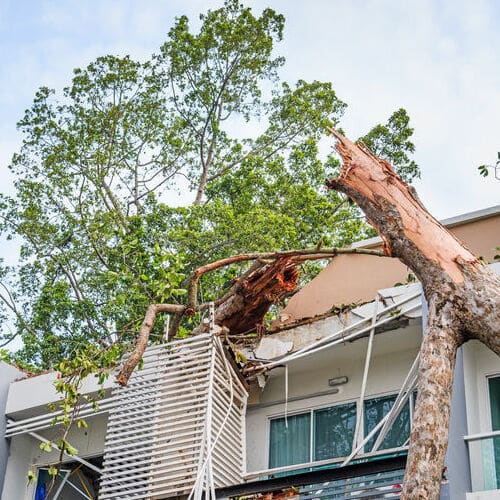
(290, 445)
(334, 431)
(374, 411)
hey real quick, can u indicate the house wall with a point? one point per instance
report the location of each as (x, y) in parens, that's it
(388, 369)
(356, 278)
(25, 454)
(7, 374)
(37, 392)
(457, 457)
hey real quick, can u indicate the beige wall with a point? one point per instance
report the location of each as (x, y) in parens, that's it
(356, 278)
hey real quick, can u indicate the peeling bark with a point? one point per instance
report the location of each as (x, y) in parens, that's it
(463, 296)
(256, 294)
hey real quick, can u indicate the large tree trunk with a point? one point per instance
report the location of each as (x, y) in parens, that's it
(463, 296)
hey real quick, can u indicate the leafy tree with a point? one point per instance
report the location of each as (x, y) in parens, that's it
(484, 169)
(100, 237)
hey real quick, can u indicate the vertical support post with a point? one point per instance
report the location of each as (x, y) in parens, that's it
(359, 409)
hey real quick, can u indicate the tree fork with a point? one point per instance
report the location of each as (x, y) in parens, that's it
(463, 296)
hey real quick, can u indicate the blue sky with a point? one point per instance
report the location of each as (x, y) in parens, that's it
(438, 59)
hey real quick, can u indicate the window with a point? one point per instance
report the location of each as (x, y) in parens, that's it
(494, 390)
(74, 481)
(375, 410)
(327, 433)
(334, 431)
(290, 440)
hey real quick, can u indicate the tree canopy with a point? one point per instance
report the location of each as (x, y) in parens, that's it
(207, 117)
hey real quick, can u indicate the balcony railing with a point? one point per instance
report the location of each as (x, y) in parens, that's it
(484, 457)
(380, 478)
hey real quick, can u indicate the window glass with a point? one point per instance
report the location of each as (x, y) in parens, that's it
(74, 481)
(334, 431)
(494, 388)
(290, 445)
(374, 411)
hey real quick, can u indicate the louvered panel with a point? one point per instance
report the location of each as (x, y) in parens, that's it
(184, 409)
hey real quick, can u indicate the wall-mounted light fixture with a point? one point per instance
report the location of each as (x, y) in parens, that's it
(332, 382)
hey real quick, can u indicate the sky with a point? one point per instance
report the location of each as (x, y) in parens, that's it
(436, 58)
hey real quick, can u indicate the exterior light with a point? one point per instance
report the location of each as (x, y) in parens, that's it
(332, 382)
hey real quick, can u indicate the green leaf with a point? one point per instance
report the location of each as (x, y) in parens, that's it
(31, 476)
(483, 170)
(82, 424)
(46, 447)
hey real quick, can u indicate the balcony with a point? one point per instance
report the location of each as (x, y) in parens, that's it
(380, 477)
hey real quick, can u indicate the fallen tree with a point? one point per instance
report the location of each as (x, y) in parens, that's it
(462, 293)
(244, 306)
(463, 297)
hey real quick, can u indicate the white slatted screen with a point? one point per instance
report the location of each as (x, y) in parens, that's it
(180, 418)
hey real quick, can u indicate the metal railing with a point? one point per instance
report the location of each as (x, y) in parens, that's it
(381, 478)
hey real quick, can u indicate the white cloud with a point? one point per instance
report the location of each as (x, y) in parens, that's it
(437, 59)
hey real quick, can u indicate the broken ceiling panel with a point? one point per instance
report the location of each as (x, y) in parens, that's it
(271, 347)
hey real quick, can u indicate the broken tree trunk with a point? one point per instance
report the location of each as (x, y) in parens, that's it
(273, 280)
(265, 286)
(462, 293)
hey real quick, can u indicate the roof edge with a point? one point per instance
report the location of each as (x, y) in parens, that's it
(449, 222)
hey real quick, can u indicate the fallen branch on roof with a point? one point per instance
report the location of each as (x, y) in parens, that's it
(272, 276)
(463, 297)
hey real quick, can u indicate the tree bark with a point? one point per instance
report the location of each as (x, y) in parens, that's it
(462, 293)
(246, 309)
(248, 300)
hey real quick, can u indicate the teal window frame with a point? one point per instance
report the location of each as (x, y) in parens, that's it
(493, 382)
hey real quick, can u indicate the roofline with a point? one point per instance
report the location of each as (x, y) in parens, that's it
(457, 220)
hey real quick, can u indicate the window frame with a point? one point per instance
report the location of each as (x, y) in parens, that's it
(488, 398)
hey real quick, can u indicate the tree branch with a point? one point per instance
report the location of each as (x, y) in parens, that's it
(192, 306)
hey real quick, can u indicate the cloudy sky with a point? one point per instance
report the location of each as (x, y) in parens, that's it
(438, 59)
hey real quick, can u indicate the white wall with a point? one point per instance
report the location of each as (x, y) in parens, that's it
(38, 391)
(393, 354)
(25, 454)
(7, 375)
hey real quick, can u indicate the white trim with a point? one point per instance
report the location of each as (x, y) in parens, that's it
(449, 222)
(481, 435)
(319, 463)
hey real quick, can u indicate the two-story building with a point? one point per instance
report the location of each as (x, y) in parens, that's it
(320, 406)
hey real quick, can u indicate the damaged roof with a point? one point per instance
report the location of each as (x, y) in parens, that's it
(396, 307)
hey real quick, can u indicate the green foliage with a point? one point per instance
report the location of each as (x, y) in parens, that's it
(392, 142)
(30, 476)
(484, 169)
(101, 238)
(52, 470)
